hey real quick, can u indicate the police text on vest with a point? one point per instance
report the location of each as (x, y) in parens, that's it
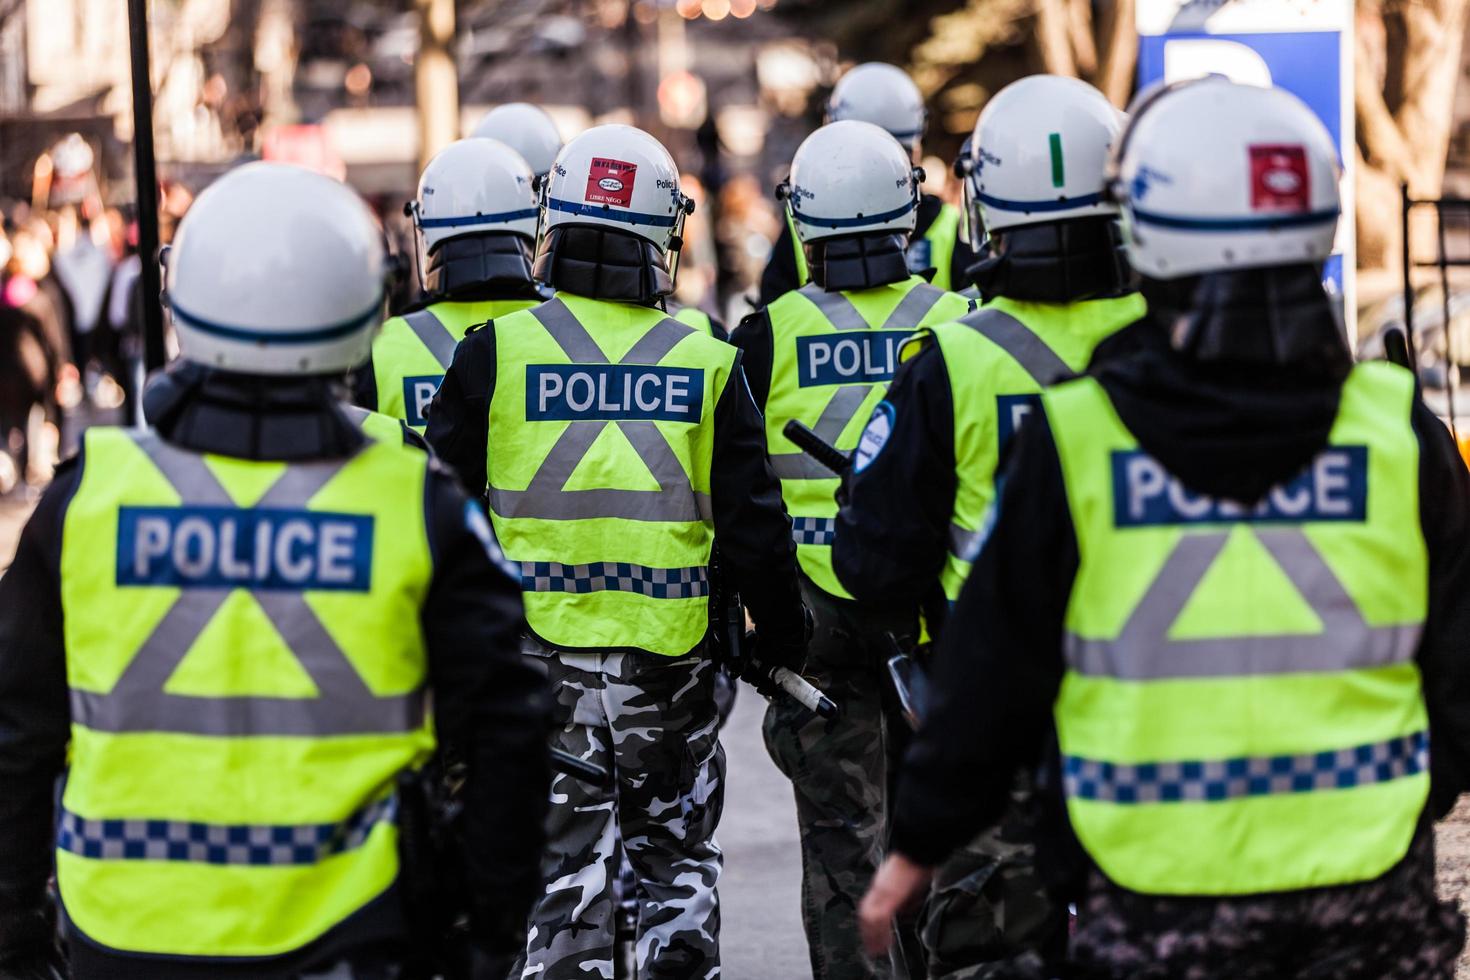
(1334, 487)
(605, 392)
(849, 357)
(262, 549)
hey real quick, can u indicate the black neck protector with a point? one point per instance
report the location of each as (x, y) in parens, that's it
(603, 263)
(250, 416)
(858, 261)
(1276, 317)
(494, 265)
(1058, 262)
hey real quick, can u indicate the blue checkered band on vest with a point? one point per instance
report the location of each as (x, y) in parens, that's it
(1231, 779)
(813, 530)
(212, 843)
(615, 576)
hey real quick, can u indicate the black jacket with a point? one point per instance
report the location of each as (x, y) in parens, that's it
(779, 276)
(1000, 661)
(489, 703)
(751, 525)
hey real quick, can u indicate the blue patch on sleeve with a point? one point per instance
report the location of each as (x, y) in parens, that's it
(875, 436)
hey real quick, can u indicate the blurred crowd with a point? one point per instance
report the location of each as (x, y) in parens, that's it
(70, 325)
(71, 310)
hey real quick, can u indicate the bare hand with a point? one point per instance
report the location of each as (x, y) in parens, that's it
(899, 885)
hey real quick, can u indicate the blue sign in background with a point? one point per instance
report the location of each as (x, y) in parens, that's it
(1308, 64)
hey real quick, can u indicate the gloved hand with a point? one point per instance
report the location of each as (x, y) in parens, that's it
(784, 649)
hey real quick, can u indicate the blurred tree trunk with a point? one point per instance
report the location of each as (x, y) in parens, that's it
(436, 78)
(1408, 64)
(1092, 41)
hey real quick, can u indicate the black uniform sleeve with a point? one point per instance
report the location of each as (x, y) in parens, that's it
(891, 545)
(960, 262)
(1444, 651)
(459, 416)
(751, 525)
(780, 274)
(34, 715)
(363, 384)
(757, 354)
(999, 663)
(492, 707)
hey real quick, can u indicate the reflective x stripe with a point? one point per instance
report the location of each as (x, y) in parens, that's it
(433, 334)
(545, 497)
(1144, 651)
(848, 400)
(1232, 779)
(813, 530)
(1019, 341)
(213, 843)
(138, 701)
(615, 576)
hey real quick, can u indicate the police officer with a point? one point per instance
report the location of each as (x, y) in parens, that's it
(823, 354)
(528, 129)
(1055, 288)
(475, 220)
(225, 629)
(1232, 568)
(614, 443)
(885, 96)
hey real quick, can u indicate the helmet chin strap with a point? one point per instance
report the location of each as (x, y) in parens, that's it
(414, 212)
(676, 239)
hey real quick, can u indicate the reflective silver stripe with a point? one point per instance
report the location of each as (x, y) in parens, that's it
(836, 307)
(138, 701)
(848, 400)
(1019, 341)
(843, 315)
(1217, 780)
(356, 415)
(799, 466)
(912, 309)
(962, 541)
(214, 843)
(433, 334)
(545, 497)
(1144, 651)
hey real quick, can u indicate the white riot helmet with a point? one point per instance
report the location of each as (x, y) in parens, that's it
(277, 270)
(525, 128)
(1212, 176)
(883, 95)
(851, 178)
(620, 177)
(472, 187)
(1038, 155)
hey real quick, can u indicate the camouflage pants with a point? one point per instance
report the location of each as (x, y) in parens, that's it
(651, 721)
(839, 772)
(1391, 928)
(988, 915)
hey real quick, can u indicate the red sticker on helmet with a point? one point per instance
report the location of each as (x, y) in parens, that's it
(1280, 180)
(611, 182)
